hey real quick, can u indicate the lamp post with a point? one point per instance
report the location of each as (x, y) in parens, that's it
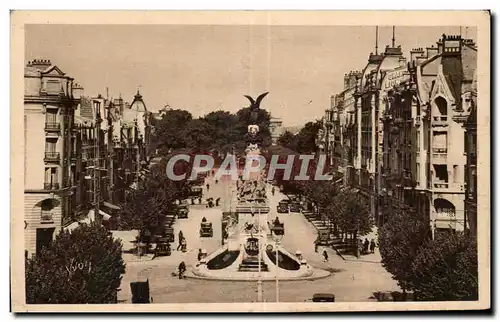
(259, 280)
(277, 240)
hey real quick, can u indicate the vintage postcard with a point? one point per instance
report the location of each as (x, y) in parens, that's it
(279, 161)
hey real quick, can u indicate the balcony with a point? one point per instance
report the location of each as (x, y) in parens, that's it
(46, 217)
(440, 120)
(441, 185)
(439, 155)
(52, 127)
(52, 157)
(51, 186)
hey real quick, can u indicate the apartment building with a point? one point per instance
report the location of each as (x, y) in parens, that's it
(443, 98)
(411, 132)
(50, 100)
(119, 148)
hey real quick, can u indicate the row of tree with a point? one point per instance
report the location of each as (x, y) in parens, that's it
(218, 131)
(441, 269)
(304, 142)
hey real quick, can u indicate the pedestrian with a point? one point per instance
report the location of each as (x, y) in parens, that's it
(272, 191)
(216, 181)
(325, 256)
(199, 254)
(366, 245)
(316, 244)
(372, 246)
(359, 248)
(203, 219)
(182, 270)
(199, 200)
(208, 187)
(217, 201)
(181, 237)
(192, 201)
(276, 221)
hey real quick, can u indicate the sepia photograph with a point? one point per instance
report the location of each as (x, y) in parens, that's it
(250, 161)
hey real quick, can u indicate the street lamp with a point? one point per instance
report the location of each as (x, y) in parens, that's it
(277, 240)
(259, 279)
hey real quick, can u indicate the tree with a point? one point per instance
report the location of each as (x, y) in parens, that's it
(199, 136)
(353, 213)
(225, 130)
(146, 207)
(446, 269)
(306, 138)
(169, 131)
(400, 240)
(82, 266)
(287, 140)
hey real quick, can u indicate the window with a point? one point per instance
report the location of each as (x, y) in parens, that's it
(442, 106)
(455, 174)
(53, 86)
(51, 175)
(440, 142)
(418, 172)
(51, 116)
(441, 172)
(418, 141)
(50, 145)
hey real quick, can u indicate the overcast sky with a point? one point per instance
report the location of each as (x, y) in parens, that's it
(205, 68)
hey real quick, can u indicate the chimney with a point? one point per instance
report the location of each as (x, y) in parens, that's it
(452, 45)
(77, 90)
(416, 52)
(346, 80)
(40, 64)
(432, 51)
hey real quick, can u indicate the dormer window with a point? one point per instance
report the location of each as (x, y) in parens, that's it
(53, 86)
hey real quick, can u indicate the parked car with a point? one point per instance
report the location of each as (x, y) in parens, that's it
(294, 206)
(323, 297)
(206, 229)
(323, 238)
(196, 191)
(182, 211)
(283, 206)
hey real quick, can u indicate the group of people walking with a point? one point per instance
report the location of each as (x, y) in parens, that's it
(366, 247)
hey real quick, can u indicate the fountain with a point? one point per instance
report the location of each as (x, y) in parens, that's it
(252, 250)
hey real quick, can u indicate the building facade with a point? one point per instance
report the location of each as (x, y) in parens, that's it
(404, 132)
(275, 127)
(50, 100)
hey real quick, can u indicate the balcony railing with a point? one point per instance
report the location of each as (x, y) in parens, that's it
(52, 127)
(46, 217)
(51, 186)
(439, 120)
(52, 156)
(439, 150)
(441, 185)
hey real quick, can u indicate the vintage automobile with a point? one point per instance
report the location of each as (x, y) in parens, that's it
(278, 228)
(169, 234)
(323, 238)
(196, 191)
(323, 297)
(294, 206)
(206, 229)
(283, 206)
(162, 247)
(182, 211)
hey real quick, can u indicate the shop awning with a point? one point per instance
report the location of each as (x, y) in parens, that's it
(111, 206)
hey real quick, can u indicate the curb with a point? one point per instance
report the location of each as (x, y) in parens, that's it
(324, 274)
